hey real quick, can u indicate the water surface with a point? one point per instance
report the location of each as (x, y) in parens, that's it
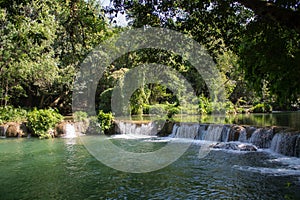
(64, 169)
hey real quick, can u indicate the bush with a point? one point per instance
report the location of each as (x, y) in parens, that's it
(80, 116)
(41, 121)
(205, 106)
(261, 108)
(157, 109)
(105, 120)
(11, 114)
(105, 100)
(171, 111)
(161, 109)
(146, 108)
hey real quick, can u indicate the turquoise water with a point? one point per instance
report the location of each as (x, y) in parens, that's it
(64, 169)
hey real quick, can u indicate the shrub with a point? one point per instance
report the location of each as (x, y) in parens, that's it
(157, 109)
(41, 121)
(105, 100)
(205, 106)
(261, 108)
(171, 111)
(146, 108)
(11, 114)
(80, 116)
(105, 120)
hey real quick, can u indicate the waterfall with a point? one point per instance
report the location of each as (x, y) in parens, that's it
(3, 131)
(243, 135)
(225, 133)
(211, 132)
(185, 131)
(70, 131)
(262, 137)
(286, 143)
(240, 137)
(137, 128)
(214, 133)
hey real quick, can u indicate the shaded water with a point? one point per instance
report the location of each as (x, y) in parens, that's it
(63, 169)
(287, 119)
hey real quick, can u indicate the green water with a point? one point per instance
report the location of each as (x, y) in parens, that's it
(64, 169)
(287, 119)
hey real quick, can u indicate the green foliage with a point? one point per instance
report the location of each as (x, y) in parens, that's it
(11, 114)
(45, 42)
(80, 116)
(171, 111)
(261, 108)
(206, 106)
(105, 100)
(105, 120)
(42, 120)
(161, 110)
(270, 55)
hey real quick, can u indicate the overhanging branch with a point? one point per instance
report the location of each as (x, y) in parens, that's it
(270, 11)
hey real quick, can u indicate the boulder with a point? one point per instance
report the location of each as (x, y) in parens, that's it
(14, 129)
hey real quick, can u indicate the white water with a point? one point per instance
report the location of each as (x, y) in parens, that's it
(70, 131)
(271, 171)
(137, 129)
(264, 138)
(286, 143)
(213, 133)
(189, 131)
(243, 135)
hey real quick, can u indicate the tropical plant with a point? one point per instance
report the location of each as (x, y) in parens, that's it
(42, 120)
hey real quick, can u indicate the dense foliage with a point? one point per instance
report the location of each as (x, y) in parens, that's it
(105, 120)
(10, 114)
(255, 45)
(42, 120)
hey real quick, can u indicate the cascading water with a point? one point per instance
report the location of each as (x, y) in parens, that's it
(231, 136)
(286, 144)
(262, 137)
(149, 129)
(70, 131)
(235, 136)
(185, 131)
(216, 133)
(3, 131)
(211, 132)
(243, 135)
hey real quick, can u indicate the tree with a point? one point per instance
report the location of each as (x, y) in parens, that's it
(264, 35)
(28, 65)
(42, 46)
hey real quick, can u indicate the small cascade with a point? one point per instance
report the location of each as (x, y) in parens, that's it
(214, 133)
(201, 131)
(185, 131)
(137, 128)
(287, 144)
(211, 132)
(70, 131)
(225, 133)
(243, 135)
(262, 137)
(3, 131)
(234, 137)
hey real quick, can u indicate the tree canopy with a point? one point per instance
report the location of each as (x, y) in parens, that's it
(255, 44)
